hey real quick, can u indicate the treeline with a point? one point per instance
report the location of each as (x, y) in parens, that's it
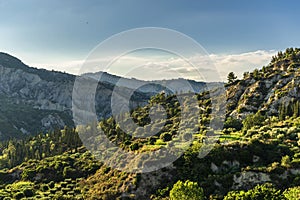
(165, 125)
(14, 152)
(290, 53)
(289, 109)
(141, 116)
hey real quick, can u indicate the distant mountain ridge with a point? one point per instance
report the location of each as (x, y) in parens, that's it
(155, 86)
(34, 100)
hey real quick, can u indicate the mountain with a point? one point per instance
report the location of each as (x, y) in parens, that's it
(255, 156)
(37, 100)
(171, 86)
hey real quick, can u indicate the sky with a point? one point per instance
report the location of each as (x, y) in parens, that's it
(237, 35)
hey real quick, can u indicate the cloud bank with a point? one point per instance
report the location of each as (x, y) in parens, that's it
(240, 63)
(213, 67)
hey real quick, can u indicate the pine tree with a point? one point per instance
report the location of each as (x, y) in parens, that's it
(231, 77)
(296, 109)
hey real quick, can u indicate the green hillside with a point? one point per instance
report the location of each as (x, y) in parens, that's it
(256, 156)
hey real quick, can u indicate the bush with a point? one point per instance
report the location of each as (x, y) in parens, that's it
(44, 187)
(69, 172)
(134, 147)
(292, 193)
(51, 184)
(28, 174)
(233, 123)
(253, 120)
(53, 190)
(28, 192)
(263, 192)
(18, 195)
(152, 140)
(286, 161)
(186, 191)
(63, 184)
(166, 137)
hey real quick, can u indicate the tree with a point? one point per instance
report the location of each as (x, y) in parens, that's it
(246, 75)
(186, 191)
(286, 161)
(256, 74)
(253, 120)
(166, 137)
(233, 123)
(263, 192)
(231, 77)
(296, 109)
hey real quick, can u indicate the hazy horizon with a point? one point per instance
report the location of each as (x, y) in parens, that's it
(236, 62)
(60, 35)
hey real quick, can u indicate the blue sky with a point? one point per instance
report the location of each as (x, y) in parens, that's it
(59, 34)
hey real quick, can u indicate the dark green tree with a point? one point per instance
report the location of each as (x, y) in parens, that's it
(231, 77)
(256, 74)
(253, 120)
(232, 122)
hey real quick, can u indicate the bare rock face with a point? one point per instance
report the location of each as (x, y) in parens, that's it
(249, 179)
(44, 94)
(51, 121)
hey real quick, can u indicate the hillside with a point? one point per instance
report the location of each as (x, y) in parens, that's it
(267, 89)
(43, 98)
(256, 156)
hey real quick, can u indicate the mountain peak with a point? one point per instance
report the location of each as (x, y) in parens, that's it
(9, 61)
(3, 55)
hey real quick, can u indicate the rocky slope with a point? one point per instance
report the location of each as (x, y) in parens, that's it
(268, 89)
(35, 100)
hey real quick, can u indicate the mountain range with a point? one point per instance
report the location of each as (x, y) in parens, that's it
(37, 100)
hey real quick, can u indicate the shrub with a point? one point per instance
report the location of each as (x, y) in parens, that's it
(166, 137)
(134, 147)
(152, 140)
(44, 187)
(253, 120)
(18, 195)
(69, 172)
(51, 184)
(233, 123)
(160, 142)
(292, 193)
(186, 191)
(28, 174)
(63, 184)
(28, 192)
(286, 161)
(53, 190)
(263, 192)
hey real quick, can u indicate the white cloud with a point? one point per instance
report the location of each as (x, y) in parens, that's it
(239, 63)
(214, 67)
(72, 67)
